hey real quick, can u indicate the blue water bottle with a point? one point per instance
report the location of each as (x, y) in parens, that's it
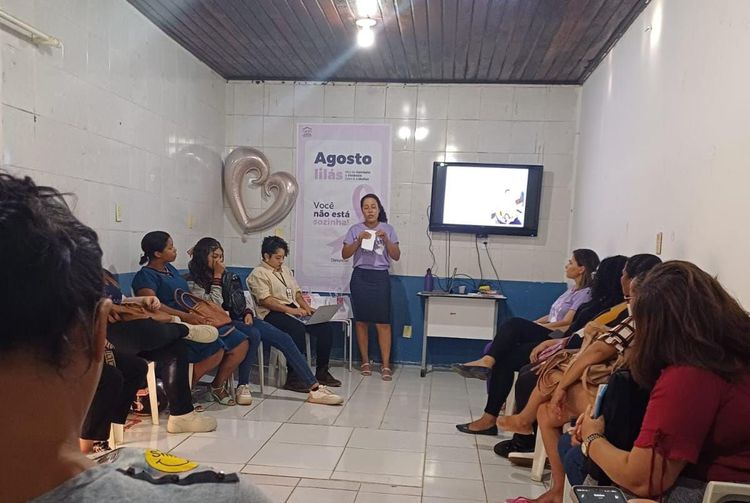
(428, 280)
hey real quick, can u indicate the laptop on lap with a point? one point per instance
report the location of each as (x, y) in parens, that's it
(322, 315)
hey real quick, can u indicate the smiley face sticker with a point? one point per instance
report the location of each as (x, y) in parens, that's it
(168, 463)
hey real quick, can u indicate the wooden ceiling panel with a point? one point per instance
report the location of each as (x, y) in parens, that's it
(496, 41)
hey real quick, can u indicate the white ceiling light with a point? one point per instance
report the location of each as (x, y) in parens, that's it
(365, 35)
(404, 133)
(367, 8)
(421, 133)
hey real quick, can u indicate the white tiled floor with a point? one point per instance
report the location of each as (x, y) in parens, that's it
(390, 443)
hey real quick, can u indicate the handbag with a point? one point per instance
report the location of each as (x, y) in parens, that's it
(211, 312)
(132, 312)
(552, 370)
(233, 294)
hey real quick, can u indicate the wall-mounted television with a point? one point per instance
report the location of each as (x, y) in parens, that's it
(483, 199)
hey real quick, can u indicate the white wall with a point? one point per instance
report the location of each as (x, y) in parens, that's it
(664, 138)
(470, 123)
(121, 115)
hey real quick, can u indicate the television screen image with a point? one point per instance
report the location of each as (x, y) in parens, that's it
(486, 198)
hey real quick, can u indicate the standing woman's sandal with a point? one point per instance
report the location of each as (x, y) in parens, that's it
(387, 373)
(366, 369)
(222, 396)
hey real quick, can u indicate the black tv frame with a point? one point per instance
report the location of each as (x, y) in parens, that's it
(533, 201)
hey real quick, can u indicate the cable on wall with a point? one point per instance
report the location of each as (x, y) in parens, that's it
(479, 258)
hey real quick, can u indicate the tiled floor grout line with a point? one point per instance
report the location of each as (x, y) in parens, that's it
(281, 423)
(481, 472)
(426, 435)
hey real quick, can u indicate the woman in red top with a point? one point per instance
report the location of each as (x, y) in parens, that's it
(693, 347)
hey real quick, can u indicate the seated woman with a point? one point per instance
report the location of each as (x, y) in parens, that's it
(693, 347)
(580, 268)
(606, 292)
(567, 385)
(159, 278)
(211, 281)
(280, 299)
(51, 357)
(122, 377)
(635, 266)
(163, 339)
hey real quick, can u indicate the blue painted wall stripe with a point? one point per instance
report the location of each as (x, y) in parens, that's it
(526, 299)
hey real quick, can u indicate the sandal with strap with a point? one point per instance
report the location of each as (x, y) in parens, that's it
(366, 369)
(387, 374)
(222, 396)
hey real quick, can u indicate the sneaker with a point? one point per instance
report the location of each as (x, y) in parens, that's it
(201, 333)
(191, 422)
(242, 395)
(324, 377)
(101, 446)
(324, 396)
(99, 449)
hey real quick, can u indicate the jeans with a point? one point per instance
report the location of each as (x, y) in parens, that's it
(253, 339)
(573, 460)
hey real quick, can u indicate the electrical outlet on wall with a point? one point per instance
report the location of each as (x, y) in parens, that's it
(407, 332)
(118, 212)
(190, 221)
(279, 232)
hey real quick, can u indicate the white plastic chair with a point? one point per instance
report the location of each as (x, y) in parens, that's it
(510, 401)
(152, 398)
(151, 384)
(719, 492)
(116, 433)
(540, 458)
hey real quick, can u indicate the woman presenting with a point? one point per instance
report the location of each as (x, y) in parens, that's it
(373, 243)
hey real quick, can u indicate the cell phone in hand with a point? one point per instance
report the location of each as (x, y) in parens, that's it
(597, 494)
(597, 410)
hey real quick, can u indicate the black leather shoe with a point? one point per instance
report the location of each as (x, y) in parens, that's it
(464, 428)
(519, 443)
(324, 377)
(293, 383)
(471, 371)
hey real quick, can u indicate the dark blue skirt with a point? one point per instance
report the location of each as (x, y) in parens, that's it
(371, 295)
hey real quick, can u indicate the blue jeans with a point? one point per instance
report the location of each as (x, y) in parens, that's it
(573, 460)
(253, 339)
(280, 340)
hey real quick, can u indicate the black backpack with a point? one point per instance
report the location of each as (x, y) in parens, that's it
(234, 296)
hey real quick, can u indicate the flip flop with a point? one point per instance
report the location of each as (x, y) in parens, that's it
(520, 499)
(366, 369)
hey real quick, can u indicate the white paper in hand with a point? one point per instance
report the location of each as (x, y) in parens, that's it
(369, 243)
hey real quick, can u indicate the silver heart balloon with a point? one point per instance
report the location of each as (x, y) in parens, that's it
(244, 161)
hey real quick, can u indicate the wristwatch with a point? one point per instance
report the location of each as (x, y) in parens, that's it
(587, 442)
